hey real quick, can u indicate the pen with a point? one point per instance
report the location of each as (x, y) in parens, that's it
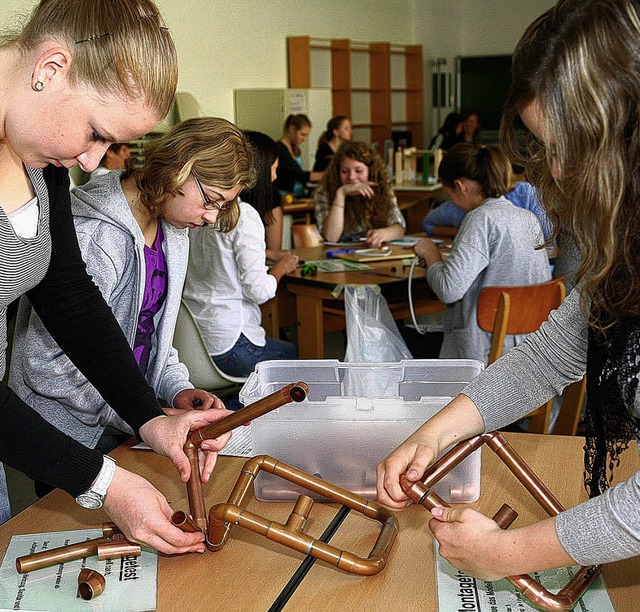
(332, 254)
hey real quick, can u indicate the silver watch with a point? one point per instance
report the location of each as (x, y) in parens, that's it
(93, 498)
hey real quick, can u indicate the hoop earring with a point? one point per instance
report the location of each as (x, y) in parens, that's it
(38, 85)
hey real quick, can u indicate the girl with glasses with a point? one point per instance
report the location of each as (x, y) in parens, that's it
(132, 229)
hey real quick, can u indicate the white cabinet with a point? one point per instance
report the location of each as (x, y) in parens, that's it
(265, 110)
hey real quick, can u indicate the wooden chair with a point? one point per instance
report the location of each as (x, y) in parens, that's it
(521, 310)
(305, 235)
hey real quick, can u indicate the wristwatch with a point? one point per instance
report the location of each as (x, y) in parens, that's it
(93, 498)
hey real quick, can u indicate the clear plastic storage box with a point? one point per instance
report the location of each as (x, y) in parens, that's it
(354, 416)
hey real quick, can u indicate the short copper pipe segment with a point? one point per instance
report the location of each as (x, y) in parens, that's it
(183, 521)
(223, 516)
(90, 584)
(118, 550)
(47, 558)
(296, 392)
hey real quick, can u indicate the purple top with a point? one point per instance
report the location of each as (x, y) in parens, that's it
(155, 292)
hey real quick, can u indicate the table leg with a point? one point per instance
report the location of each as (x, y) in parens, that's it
(310, 327)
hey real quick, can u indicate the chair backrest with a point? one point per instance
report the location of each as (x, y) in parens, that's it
(516, 310)
(203, 372)
(305, 235)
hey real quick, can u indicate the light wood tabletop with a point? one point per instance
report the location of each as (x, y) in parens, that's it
(249, 573)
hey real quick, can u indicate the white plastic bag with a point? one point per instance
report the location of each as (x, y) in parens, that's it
(372, 335)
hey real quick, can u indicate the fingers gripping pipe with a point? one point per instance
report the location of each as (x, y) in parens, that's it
(295, 392)
(566, 598)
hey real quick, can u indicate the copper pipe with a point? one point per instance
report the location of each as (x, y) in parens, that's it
(296, 392)
(183, 521)
(518, 466)
(54, 556)
(110, 529)
(118, 549)
(567, 597)
(291, 534)
(90, 584)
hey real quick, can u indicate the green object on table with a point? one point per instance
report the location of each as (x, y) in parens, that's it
(426, 168)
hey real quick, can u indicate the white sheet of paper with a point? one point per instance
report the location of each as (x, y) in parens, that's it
(131, 583)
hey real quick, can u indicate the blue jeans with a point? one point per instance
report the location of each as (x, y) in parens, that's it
(242, 359)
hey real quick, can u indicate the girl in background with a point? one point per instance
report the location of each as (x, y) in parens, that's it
(338, 131)
(263, 197)
(291, 177)
(227, 280)
(356, 199)
(497, 244)
(132, 230)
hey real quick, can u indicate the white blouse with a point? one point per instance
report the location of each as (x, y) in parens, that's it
(227, 280)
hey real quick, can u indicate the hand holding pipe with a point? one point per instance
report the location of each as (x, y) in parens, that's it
(296, 392)
(566, 598)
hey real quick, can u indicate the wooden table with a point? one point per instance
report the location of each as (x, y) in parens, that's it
(250, 572)
(318, 311)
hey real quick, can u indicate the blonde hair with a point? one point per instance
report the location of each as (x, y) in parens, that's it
(580, 61)
(119, 47)
(214, 150)
(373, 212)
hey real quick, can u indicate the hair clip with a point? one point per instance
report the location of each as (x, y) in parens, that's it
(92, 38)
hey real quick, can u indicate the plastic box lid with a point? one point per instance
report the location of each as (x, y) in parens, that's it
(354, 416)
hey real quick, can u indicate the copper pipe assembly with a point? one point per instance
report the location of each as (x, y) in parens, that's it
(566, 598)
(90, 584)
(291, 534)
(62, 554)
(295, 392)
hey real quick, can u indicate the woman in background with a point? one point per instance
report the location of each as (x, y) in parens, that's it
(227, 280)
(291, 177)
(132, 230)
(471, 128)
(497, 244)
(338, 131)
(356, 200)
(263, 197)
(449, 134)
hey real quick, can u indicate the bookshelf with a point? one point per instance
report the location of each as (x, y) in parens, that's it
(378, 85)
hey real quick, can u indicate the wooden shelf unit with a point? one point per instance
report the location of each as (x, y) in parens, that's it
(395, 101)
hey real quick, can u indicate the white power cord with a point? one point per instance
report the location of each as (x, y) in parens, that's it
(420, 329)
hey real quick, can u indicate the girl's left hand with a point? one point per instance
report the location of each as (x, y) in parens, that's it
(375, 238)
(195, 399)
(470, 542)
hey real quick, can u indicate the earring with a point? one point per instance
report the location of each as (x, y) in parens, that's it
(39, 85)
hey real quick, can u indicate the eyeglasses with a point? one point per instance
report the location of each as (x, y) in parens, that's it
(207, 203)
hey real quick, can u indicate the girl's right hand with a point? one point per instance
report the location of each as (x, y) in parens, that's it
(362, 189)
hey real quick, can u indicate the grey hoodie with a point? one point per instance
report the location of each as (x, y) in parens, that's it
(112, 246)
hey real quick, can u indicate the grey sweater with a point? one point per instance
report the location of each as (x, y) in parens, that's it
(112, 246)
(496, 245)
(605, 528)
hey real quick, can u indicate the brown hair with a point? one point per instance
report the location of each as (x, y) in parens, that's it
(486, 165)
(298, 122)
(119, 47)
(580, 61)
(212, 149)
(375, 211)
